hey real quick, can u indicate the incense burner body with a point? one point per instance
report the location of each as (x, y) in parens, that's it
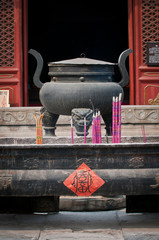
(61, 98)
(80, 83)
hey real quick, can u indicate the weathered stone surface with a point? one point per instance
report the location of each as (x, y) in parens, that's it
(97, 203)
(126, 169)
(77, 140)
(111, 225)
(16, 122)
(142, 114)
(23, 116)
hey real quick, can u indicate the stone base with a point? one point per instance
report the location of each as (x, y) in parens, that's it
(77, 140)
(97, 203)
(19, 122)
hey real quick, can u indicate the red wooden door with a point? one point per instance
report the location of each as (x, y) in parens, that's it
(143, 29)
(11, 50)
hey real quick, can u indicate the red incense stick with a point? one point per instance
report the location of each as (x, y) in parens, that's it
(143, 133)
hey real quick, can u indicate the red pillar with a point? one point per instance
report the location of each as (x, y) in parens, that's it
(11, 50)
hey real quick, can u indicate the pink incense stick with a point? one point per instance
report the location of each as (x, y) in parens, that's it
(100, 132)
(72, 140)
(99, 128)
(119, 126)
(143, 133)
(96, 126)
(84, 130)
(94, 129)
(116, 120)
(113, 119)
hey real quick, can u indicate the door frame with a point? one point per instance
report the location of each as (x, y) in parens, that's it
(131, 57)
(25, 52)
(131, 45)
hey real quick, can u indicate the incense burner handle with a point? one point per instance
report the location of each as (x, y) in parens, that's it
(121, 63)
(37, 74)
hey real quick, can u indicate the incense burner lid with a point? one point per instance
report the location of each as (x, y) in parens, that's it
(81, 69)
(80, 61)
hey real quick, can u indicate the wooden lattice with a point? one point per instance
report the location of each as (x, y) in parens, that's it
(6, 33)
(150, 24)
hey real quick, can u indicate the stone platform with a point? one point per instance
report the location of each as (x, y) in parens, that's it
(19, 122)
(77, 140)
(17, 126)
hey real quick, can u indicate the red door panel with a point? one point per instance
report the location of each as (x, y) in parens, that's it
(144, 20)
(11, 50)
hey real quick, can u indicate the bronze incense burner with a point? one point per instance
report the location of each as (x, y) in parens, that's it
(76, 82)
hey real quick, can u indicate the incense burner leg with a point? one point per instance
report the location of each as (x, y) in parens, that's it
(78, 115)
(107, 118)
(49, 122)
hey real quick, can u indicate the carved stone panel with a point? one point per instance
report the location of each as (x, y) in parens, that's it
(18, 116)
(140, 114)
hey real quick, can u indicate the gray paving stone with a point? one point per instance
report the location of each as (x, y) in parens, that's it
(109, 225)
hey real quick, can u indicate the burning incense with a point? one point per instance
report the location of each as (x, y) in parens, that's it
(119, 125)
(72, 140)
(37, 140)
(116, 120)
(143, 133)
(113, 118)
(98, 121)
(84, 130)
(39, 131)
(100, 133)
(94, 129)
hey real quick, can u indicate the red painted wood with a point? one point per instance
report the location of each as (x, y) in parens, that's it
(146, 78)
(131, 57)
(25, 50)
(11, 50)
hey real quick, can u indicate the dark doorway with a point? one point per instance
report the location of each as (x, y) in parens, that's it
(63, 30)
